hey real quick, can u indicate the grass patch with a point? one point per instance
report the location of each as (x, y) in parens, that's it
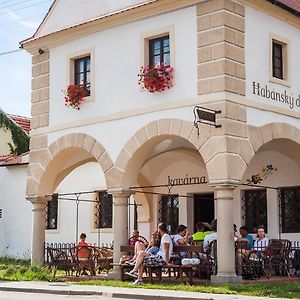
(286, 290)
(21, 270)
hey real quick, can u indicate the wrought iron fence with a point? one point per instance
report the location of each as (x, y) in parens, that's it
(65, 247)
(277, 257)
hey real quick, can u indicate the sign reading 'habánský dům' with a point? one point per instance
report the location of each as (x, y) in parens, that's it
(281, 97)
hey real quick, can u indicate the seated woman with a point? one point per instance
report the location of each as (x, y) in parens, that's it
(140, 244)
(262, 242)
(182, 238)
(154, 243)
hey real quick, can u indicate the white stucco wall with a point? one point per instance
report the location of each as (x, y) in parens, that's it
(15, 224)
(117, 63)
(80, 11)
(87, 177)
(114, 135)
(5, 138)
(259, 26)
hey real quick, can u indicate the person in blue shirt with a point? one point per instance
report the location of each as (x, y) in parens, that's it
(245, 235)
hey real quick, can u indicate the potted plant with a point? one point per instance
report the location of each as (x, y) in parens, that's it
(157, 78)
(75, 94)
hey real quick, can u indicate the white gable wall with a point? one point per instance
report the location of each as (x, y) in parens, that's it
(79, 11)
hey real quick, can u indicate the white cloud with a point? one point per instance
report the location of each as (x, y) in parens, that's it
(17, 19)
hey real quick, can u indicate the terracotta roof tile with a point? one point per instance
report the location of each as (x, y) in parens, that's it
(11, 159)
(23, 122)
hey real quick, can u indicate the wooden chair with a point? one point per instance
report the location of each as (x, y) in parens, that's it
(103, 259)
(84, 259)
(59, 260)
(277, 257)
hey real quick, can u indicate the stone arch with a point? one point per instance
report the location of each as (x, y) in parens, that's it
(258, 137)
(50, 165)
(148, 137)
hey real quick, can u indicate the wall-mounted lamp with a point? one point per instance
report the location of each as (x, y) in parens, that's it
(41, 51)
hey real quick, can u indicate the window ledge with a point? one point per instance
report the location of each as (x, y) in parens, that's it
(102, 230)
(52, 231)
(280, 81)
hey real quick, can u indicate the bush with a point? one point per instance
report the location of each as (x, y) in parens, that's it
(10, 270)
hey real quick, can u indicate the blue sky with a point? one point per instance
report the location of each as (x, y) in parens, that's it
(18, 20)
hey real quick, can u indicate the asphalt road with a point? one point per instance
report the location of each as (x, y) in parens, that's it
(36, 296)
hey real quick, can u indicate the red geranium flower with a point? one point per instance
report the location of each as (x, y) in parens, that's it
(75, 95)
(157, 78)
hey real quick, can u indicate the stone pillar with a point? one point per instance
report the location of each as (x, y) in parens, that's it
(120, 226)
(273, 214)
(38, 231)
(225, 244)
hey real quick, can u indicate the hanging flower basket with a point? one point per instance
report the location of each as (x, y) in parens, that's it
(157, 78)
(75, 94)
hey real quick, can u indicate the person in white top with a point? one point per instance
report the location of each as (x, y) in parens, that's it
(182, 237)
(162, 257)
(262, 241)
(210, 237)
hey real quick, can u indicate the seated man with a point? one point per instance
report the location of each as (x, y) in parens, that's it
(210, 237)
(201, 231)
(162, 257)
(245, 236)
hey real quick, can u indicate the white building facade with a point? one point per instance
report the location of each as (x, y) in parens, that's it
(239, 57)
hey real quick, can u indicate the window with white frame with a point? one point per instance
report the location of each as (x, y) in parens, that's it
(158, 47)
(103, 210)
(279, 60)
(52, 213)
(82, 72)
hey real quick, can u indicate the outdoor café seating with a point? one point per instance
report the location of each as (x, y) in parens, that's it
(78, 259)
(280, 258)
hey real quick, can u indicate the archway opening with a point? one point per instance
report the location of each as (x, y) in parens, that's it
(273, 197)
(173, 162)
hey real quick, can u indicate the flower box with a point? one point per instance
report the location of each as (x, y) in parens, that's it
(157, 78)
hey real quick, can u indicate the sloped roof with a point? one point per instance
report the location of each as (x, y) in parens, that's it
(12, 160)
(81, 13)
(292, 6)
(23, 122)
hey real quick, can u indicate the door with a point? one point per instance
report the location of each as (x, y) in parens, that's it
(204, 208)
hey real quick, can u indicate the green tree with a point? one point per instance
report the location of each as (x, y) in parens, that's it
(20, 138)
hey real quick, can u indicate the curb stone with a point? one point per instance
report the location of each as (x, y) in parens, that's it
(49, 291)
(92, 293)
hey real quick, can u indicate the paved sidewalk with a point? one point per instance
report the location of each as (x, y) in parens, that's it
(130, 293)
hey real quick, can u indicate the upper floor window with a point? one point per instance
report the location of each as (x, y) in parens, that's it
(277, 60)
(159, 51)
(103, 210)
(52, 212)
(82, 72)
